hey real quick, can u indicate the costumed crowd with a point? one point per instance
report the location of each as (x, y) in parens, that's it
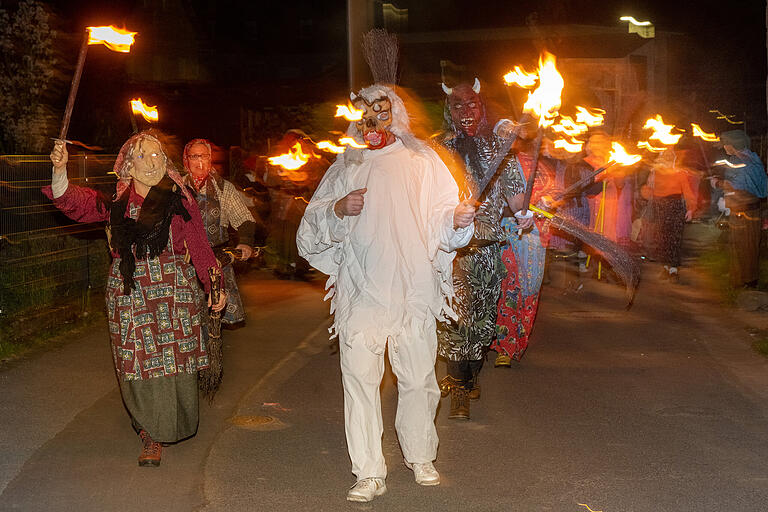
(430, 248)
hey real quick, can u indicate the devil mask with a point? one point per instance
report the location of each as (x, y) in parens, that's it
(466, 107)
(376, 122)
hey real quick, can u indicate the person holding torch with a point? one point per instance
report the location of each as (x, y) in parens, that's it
(155, 303)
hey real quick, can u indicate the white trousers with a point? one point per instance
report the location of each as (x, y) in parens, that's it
(412, 356)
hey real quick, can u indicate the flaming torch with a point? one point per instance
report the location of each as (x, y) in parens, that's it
(618, 155)
(545, 103)
(148, 113)
(349, 112)
(115, 39)
(329, 146)
(698, 132)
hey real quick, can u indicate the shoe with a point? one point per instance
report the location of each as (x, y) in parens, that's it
(445, 385)
(459, 404)
(424, 473)
(366, 489)
(151, 452)
(474, 393)
(503, 360)
(674, 277)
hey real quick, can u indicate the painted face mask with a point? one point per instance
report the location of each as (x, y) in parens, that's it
(376, 121)
(148, 162)
(466, 107)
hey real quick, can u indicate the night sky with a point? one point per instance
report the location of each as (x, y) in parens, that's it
(247, 44)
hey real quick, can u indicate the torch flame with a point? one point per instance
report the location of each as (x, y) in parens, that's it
(619, 155)
(349, 141)
(349, 112)
(294, 159)
(730, 164)
(633, 21)
(148, 113)
(572, 146)
(698, 132)
(544, 101)
(329, 146)
(590, 117)
(116, 39)
(568, 126)
(662, 132)
(521, 78)
(644, 144)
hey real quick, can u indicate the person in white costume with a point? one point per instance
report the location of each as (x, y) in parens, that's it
(384, 224)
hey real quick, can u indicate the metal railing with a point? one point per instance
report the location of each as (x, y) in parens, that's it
(46, 258)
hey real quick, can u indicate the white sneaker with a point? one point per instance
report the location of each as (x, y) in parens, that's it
(424, 473)
(366, 489)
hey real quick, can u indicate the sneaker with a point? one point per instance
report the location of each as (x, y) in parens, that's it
(424, 473)
(151, 452)
(366, 489)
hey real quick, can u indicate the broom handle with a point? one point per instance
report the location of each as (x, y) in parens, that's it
(582, 181)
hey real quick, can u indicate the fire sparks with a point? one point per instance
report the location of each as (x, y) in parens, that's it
(571, 146)
(116, 39)
(329, 146)
(590, 117)
(662, 132)
(294, 159)
(730, 164)
(545, 101)
(619, 155)
(698, 132)
(349, 141)
(148, 113)
(521, 78)
(349, 112)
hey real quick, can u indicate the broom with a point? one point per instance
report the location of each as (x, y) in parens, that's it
(209, 379)
(624, 264)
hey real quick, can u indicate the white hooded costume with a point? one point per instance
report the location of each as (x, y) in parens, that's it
(390, 273)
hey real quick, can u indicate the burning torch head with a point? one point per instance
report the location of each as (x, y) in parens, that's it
(197, 158)
(466, 107)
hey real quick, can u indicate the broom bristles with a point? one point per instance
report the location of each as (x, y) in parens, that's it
(209, 379)
(382, 54)
(625, 266)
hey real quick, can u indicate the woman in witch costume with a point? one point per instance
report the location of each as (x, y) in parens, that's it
(155, 303)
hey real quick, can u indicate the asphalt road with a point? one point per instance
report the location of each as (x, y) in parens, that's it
(662, 407)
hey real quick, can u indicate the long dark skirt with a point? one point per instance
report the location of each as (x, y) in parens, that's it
(669, 219)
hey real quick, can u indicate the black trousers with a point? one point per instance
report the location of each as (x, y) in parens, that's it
(465, 372)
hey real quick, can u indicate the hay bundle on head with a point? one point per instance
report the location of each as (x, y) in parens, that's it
(382, 53)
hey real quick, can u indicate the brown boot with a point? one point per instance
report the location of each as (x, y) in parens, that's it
(459, 403)
(474, 393)
(445, 385)
(151, 452)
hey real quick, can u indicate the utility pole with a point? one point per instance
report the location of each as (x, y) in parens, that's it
(359, 21)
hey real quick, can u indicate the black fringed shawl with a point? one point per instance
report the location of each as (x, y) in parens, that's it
(147, 235)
